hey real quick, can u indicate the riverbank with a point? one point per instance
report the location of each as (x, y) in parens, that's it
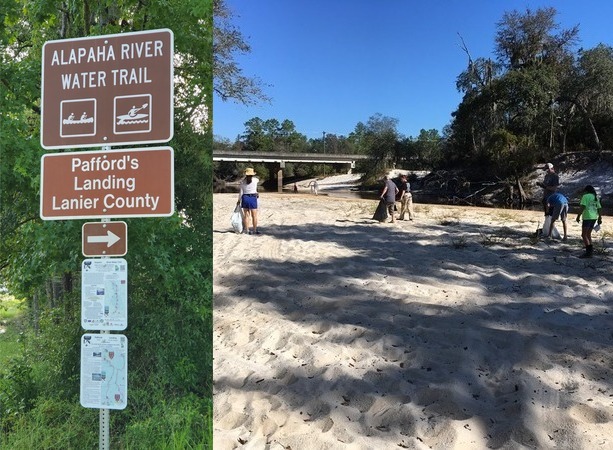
(456, 330)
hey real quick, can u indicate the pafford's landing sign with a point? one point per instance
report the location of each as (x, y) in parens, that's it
(108, 90)
(111, 183)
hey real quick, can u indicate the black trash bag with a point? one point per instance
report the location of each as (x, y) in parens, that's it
(381, 212)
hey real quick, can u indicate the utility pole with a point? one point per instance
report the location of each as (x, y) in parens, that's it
(324, 141)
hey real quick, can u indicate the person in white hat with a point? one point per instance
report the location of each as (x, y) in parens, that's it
(550, 184)
(248, 199)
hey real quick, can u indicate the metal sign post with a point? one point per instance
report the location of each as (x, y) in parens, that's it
(105, 413)
(100, 91)
(105, 426)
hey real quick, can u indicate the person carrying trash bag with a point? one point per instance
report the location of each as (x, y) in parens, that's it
(248, 200)
(557, 208)
(390, 191)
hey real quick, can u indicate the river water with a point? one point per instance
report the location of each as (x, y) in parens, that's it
(418, 197)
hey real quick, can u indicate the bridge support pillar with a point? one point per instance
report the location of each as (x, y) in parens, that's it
(280, 180)
(280, 177)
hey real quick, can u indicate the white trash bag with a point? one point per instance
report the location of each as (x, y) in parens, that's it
(237, 219)
(546, 225)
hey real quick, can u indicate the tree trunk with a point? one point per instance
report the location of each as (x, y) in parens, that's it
(57, 291)
(594, 133)
(67, 289)
(86, 17)
(588, 119)
(35, 312)
(49, 293)
(522, 193)
(67, 282)
(564, 139)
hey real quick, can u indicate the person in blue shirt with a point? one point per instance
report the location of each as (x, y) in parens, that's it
(557, 208)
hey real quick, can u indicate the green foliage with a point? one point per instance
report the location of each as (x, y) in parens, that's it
(54, 353)
(169, 259)
(177, 424)
(271, 135)
(230, 82)
(537, 100)
(53, 423)
(17, 391)
(530, 39)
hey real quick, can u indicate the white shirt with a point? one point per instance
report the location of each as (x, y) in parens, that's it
(248, 188)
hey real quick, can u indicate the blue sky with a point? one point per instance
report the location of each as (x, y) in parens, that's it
(329, 64)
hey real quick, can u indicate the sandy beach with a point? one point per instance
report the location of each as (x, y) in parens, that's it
(457, 330)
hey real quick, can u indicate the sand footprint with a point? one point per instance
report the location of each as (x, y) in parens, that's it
(362, 402)
(441, 402)
(321, 327)
(247, 377)
(587, 414)
(328, 423)
(231, 420)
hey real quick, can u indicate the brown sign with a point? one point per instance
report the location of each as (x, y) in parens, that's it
(112, 183)
(105, 239)
(108, 90)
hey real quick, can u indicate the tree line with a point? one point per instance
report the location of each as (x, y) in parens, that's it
(537, 97)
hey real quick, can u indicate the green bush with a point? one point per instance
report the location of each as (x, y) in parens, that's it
(17, 391)
(182, 423)
(54, 424)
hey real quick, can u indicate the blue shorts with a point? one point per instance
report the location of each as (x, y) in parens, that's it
(559, 212)
(249, 201)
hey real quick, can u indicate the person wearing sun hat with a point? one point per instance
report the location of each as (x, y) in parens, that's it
(248, 199)
(550, 184)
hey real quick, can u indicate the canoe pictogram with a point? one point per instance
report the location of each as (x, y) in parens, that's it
(72, 121)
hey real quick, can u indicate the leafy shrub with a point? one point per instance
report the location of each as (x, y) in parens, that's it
(17, 391)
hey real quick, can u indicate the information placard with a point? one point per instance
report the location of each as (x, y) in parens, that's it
(104, 371)
(104, 294)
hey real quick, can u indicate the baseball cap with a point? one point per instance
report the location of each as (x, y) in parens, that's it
(548, 166)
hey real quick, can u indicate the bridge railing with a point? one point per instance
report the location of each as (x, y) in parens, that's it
(287, 157)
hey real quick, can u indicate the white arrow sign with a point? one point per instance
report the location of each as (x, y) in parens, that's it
(110, 239)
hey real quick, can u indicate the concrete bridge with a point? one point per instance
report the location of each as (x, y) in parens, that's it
(279, 159)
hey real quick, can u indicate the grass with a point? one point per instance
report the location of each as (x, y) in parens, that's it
(450, 220)
(491, 239)
(423, 210)
(459, 242)
(11, 312)
(600, 242)
(506, 215)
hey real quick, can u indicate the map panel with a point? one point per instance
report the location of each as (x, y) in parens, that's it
(104, 294)
(104, 371)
